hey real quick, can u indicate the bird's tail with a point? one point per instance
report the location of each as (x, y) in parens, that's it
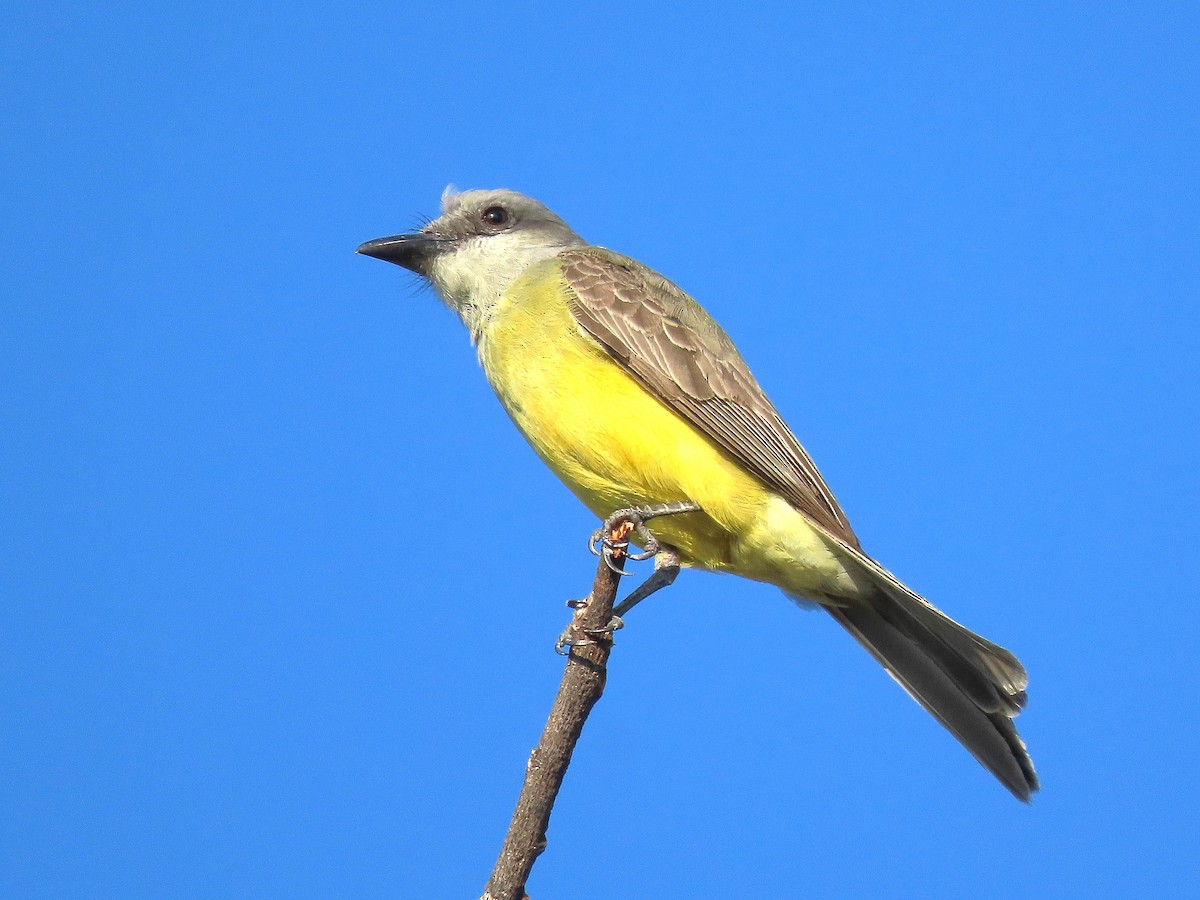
(971, 685)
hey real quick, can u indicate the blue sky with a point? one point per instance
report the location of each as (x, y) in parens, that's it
(279, 583)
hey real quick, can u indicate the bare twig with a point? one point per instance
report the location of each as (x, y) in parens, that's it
(582, 685)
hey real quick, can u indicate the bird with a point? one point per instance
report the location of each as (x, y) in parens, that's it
(634, 396)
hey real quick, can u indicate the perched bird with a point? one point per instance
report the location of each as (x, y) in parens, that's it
(634, 396)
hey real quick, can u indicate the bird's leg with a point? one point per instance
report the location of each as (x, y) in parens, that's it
(666, 567)
(613, 541)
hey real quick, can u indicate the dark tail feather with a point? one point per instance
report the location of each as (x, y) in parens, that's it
(970, 685)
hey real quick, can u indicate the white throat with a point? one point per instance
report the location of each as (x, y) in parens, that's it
(473, 277)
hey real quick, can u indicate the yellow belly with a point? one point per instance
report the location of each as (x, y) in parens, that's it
(615, 445)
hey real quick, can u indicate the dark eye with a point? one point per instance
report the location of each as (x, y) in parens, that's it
(496, 216)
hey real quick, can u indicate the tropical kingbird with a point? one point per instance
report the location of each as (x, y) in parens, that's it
(634, 396)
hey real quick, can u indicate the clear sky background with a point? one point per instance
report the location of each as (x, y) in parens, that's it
(279, 582)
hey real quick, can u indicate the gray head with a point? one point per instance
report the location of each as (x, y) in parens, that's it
(476, 247)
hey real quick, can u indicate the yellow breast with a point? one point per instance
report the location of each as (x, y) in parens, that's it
(615, 445)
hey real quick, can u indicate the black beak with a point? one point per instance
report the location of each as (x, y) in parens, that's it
(409, 250)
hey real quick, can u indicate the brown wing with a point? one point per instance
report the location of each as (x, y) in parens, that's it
(669, 343)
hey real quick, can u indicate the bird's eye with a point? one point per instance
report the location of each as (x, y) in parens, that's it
(496, 216)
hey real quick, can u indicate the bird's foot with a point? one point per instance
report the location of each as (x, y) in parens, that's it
(611, 543)
(575, 636)
(611, 540)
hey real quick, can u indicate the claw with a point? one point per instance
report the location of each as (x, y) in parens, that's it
(567, 640)
(602, 537)
(611, 543)
(564, 644)
(613, 567)
(614, 624)
(612, 536)
(651, 543)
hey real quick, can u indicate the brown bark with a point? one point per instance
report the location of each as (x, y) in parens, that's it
(582, 684)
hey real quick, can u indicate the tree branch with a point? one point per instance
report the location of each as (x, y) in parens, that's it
(582, 685)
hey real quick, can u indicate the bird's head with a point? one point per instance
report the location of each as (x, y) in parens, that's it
(481, 242)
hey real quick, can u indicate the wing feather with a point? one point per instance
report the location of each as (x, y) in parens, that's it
(666, 340)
